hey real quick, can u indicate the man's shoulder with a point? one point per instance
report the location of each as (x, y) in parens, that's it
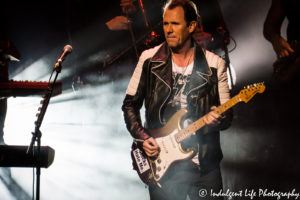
(213, 60)
(149, 53)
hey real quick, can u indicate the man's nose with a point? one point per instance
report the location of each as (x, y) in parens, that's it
(169, 28)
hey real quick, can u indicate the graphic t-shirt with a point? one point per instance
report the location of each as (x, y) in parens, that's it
(178, 99)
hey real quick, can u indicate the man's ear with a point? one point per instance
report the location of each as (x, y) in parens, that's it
(192, 26)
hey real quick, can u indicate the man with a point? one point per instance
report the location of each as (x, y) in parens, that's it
(174, 75)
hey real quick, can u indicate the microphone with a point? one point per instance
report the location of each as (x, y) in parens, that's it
(67, 49)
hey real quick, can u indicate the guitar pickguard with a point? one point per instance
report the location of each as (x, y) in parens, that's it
(170, 152)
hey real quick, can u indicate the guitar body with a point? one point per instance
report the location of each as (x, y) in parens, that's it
(170, 151)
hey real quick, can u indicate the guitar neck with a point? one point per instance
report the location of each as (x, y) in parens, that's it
(184, 133)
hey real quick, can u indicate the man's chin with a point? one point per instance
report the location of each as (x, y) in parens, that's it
(172, 44)
(174, 47)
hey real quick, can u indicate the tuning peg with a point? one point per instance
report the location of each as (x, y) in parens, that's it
(40, 108)
(37, 114)
(42, 102)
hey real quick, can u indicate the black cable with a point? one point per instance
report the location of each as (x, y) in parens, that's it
(234, 47)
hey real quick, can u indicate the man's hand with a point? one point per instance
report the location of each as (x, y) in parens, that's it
(281, 47)
(151, 147)
(212, 118)
(118, 23)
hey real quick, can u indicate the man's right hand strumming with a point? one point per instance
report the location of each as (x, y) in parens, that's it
(151, 147)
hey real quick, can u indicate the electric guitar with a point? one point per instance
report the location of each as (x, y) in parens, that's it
(169, 138)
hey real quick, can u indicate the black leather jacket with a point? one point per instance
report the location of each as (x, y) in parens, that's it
(153, 87)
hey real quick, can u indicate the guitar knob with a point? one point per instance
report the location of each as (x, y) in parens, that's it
(158, 168)
(156, 176)
(159, 161)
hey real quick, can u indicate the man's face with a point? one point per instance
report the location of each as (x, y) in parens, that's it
(175, 28)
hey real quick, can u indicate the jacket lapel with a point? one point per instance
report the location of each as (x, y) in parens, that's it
(201, 71)
(162, 70)
(200, 74)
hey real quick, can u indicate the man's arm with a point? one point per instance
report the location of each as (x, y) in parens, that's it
(224, 94)
(122, 22)
(131, 108)
(219, 121)
(135, 95)
(272, 28)
(133, 102)
(118, 23)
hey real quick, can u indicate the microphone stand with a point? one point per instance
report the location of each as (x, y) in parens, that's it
(37, 134)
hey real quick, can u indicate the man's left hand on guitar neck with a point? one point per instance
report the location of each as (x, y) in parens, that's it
(213, 119)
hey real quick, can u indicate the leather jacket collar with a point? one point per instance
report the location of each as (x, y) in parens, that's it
(201, 70)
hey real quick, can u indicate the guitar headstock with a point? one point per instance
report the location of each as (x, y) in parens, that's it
(249, 91)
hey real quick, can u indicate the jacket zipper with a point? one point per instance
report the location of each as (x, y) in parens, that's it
(170, 89)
